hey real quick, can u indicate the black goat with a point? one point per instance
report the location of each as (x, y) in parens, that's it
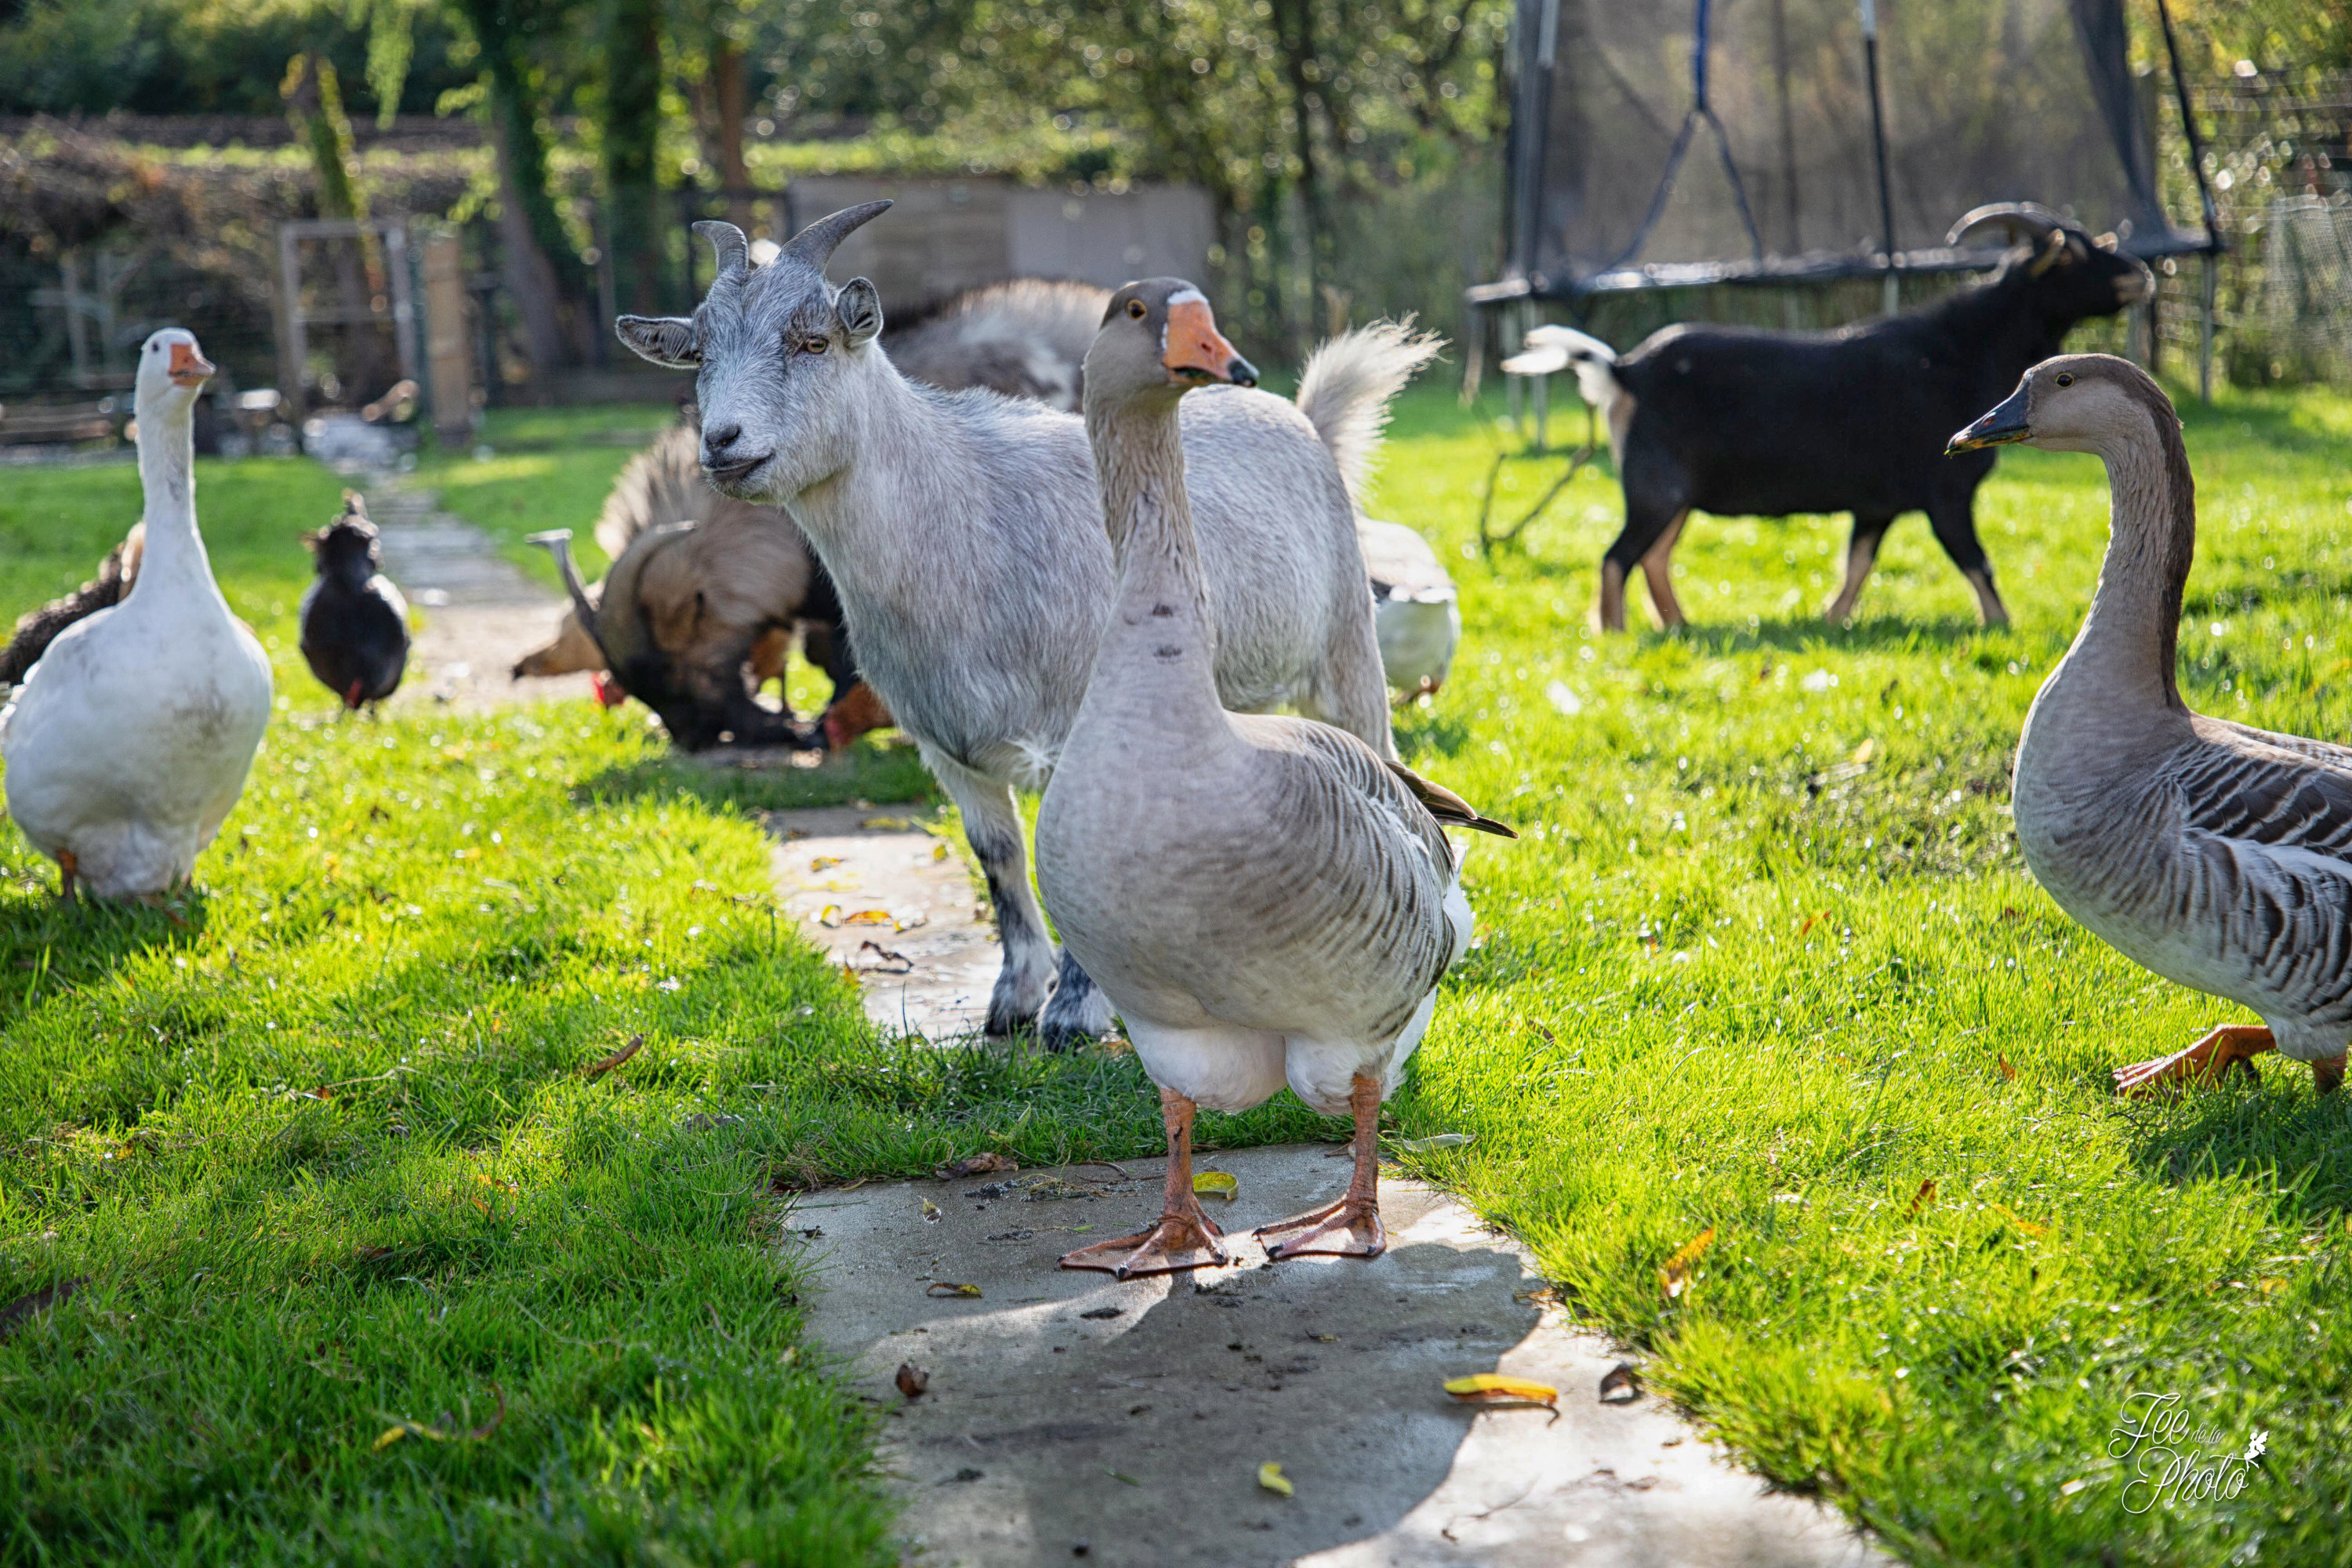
(1742, 421)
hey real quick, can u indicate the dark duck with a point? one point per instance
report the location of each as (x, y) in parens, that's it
(354, 622)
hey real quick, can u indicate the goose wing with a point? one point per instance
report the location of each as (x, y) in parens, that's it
(2278, 791)
(1384, 867)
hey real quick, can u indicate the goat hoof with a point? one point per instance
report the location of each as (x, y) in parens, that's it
(1060, 1037)
(1005, 1022)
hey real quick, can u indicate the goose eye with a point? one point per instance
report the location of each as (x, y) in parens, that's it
(1135, 309)
(2065, 378)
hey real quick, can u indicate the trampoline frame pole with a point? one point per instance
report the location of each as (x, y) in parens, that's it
(1878, 143)
(2205, 200)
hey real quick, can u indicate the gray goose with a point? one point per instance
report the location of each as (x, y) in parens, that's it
(2218, 854)
(1263, 899)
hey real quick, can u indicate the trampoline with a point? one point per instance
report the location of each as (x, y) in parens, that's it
(1694, 142)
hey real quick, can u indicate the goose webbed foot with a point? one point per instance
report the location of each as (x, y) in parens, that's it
(1350, 1228)
(2328, 1074)
(2229, 1048)
(1178, 1241)
(1184, 1237)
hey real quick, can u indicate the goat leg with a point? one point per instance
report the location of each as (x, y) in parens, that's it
(1078, 1010)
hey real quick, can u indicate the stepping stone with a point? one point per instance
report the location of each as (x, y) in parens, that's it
(1068, 1409)
(875, 890)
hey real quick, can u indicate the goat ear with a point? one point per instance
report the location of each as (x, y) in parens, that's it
(667, 340)
(859, 309)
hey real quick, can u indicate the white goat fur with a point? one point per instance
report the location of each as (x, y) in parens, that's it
(964, 534)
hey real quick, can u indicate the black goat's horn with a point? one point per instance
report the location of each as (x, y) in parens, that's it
(815, 245)
(558, 544)
(732, 252)
(2032, 216)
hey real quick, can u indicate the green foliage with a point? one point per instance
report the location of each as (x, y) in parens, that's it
(224, 56)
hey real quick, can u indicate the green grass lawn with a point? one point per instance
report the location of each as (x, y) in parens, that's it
(1764, 963)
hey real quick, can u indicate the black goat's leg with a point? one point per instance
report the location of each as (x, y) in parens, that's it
(1645, 522)
(1077, 1010)
(1861, 555)
(1954, 520)
(991, 824)
(1657, 569)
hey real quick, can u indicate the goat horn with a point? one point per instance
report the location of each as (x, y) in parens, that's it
(558, 544)
(2032, 216)
(727, 245)
(815, 245)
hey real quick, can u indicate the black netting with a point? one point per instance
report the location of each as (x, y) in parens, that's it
(1985, 100)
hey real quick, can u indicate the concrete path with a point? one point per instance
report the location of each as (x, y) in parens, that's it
(1070, 1417)
(480, 613)
(875, 888)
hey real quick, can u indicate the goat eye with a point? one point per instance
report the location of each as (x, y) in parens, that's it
(2065, 378)
(1135, 309)
(814, 345)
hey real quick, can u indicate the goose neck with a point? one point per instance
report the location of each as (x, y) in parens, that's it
(167, 481)
(1139, 467)
(1159, 650)
(2131, 637)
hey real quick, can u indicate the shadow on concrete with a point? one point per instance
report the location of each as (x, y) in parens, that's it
(1067, 1410)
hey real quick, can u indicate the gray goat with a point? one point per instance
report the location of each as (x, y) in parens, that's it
(964, 533)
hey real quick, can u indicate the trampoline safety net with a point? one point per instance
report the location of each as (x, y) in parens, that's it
(1778, 173)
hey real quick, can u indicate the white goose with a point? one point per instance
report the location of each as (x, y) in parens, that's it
(128, 742)
(1416, 613)
(1262, 897)
(2219, 855)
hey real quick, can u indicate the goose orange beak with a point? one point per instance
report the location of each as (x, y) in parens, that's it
(189, 366)
(1194, 351)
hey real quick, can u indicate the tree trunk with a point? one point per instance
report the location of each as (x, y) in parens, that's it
(530, 275)
(727, 82)
(552, 290)
(632, 128)
(1295, 24)
(314, 103)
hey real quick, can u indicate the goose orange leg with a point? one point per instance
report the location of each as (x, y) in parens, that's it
(1350, 1228)
(67, 863)
(1184, 1237)
(2231, 1047)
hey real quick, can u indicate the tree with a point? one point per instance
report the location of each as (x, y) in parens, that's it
(550, 288)
(631, 134)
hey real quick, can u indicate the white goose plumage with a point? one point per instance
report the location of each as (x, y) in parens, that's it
(2218, 854)
(1263, 899)
(130, 741)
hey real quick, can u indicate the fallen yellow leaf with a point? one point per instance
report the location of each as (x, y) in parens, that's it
(391, 1435)
(1675, 1275)
(2019, 1220)
(1271, 1478)
(1224, 1184)
(1494, 1388)
(947, 1287)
